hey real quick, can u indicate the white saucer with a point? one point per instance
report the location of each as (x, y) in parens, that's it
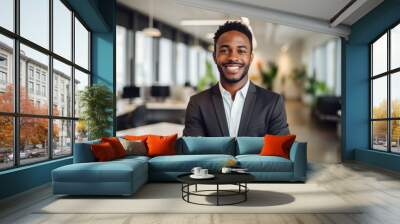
(208, 176)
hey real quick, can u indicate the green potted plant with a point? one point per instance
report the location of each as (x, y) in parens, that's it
(310, 85)
(96, 104)
(268, 75)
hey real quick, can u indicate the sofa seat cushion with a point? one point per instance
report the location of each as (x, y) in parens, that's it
(257, 163)
(133, 157)
(185, 163)
(111, 171)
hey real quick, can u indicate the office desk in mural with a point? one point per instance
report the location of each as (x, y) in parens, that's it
(132, 115)
(163, 128)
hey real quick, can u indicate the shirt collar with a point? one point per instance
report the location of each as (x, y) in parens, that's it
(243, 91)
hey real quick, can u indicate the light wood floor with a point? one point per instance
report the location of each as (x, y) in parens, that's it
(379, 190)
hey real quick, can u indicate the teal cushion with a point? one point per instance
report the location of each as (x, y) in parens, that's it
(257, 163)
(111, 171)
(207, 145)
(185, 163)
(133, 157)
(249, 145)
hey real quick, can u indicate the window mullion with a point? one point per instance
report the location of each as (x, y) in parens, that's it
(16, 84)
(50, 81)
(73, 83)
(389, 106)
(371, 124)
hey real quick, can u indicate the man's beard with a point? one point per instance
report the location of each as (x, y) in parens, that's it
(233, 80)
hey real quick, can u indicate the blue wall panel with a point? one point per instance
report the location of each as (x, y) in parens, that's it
(356, 85)
(24, 178)
(356, 100)
(379, 159)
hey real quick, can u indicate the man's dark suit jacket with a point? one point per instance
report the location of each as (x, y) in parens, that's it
(263, 113)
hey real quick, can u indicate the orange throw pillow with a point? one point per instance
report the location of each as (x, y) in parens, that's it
(103, 152)
(161, 145)
(277, 145)
(136, 137)
(116, 145)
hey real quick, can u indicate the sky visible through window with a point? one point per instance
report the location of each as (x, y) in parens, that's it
(35, 12)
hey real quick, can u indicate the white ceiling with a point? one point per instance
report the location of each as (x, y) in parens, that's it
(268, 35)
(320, 9)
(163, 8)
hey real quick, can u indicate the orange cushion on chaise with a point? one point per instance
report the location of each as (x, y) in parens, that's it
(277, 145)
(116, 145)
(103, 152)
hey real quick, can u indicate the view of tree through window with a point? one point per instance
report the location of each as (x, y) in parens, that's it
(39, 124)
(385, 94)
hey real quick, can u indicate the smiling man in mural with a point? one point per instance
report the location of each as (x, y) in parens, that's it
(235, 106)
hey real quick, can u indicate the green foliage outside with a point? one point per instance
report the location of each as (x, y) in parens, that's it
(96, 103)
(208, 79)
(379, 128)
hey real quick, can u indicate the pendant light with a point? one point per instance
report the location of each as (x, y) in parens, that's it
(150, 30)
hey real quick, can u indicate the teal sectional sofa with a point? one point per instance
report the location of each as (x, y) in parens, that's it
(125, 176)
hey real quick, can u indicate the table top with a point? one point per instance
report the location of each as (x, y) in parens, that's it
(162, 128)
(220, 178)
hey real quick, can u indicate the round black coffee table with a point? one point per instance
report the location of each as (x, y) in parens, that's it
(238, 179)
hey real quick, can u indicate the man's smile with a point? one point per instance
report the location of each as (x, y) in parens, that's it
(232, 68)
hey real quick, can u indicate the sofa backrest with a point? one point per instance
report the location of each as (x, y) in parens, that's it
(206, 145)
(253, 145)
(249, 145)
(191, 146)
(83, 152)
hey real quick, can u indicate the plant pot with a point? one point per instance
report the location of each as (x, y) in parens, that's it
(307, 99)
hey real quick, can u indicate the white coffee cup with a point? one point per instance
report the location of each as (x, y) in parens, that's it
(226, 170)
(196, 170)
(203, 172)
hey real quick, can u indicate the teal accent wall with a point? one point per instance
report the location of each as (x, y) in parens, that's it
(99, 16)
(356, 85)
(24, 178)
(379, 159)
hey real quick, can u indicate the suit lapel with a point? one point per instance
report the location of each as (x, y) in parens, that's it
(248, 109)
(219, 110)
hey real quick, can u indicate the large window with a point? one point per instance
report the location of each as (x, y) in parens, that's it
(44, 63)
(385, 94)
(325, 65)
(165, 60)
(181, 63)
(122, 60)
(144, 60)
(193, 65)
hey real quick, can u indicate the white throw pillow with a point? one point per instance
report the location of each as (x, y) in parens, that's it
(137, 148)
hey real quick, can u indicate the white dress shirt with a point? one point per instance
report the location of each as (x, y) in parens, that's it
(234, 108)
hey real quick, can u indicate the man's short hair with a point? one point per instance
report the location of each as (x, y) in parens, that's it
(230, 26)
